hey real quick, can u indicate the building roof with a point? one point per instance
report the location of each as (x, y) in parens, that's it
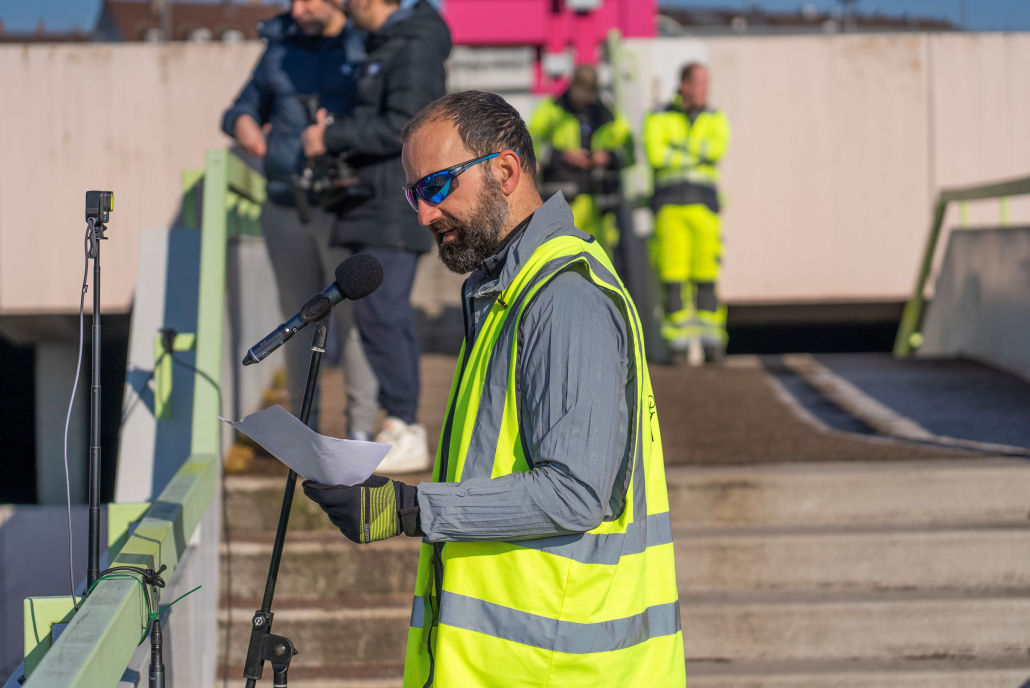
(711, 21)
(140, 20)
(41, 35)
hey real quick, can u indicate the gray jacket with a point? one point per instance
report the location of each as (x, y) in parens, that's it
(575, 397)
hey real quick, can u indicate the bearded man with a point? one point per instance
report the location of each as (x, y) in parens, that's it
(547, 556)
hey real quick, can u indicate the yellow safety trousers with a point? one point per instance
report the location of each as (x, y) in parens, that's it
(687, 243)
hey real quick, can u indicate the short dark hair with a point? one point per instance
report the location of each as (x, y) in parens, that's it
(486, 123)
(688, 70)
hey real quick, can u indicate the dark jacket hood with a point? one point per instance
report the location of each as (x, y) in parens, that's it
(424, 22)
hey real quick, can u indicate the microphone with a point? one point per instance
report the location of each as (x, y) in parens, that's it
(356, 278)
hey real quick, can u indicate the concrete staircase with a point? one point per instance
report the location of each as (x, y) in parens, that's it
(855, 575)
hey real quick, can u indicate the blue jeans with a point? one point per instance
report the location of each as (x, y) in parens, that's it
(386, 322)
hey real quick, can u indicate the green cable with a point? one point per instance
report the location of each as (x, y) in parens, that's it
(152, 616)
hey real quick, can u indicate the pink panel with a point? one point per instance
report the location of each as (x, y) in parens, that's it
(532, 23)
(637, 20)
(559, 30)
(497, 22)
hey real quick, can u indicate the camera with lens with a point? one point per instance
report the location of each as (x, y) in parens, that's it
(326, 178)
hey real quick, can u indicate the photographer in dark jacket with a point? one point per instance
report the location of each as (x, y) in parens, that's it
(311, 51)
(402, 73)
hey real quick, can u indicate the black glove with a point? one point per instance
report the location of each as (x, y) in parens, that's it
(377, 509)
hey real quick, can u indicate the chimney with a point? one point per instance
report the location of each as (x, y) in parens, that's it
(1, 26)
(41, 28)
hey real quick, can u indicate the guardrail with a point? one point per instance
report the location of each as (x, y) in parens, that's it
(909, 336)
(100, 639)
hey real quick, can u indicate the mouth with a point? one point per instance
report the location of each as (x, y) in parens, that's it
(447, 236)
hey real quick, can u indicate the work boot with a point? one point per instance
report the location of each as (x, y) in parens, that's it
(712, 327)
(714, 351)
(677, 330)
(410, 452)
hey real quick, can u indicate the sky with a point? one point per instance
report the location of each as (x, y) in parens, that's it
(981, 15)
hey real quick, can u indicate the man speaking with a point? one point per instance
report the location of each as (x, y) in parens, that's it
(547, 557)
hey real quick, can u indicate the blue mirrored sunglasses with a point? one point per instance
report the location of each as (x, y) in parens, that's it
(435, 187)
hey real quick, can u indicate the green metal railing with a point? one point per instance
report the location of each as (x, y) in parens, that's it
(909, 336)
(101, 637)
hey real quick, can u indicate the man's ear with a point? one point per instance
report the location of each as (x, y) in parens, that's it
(509, 171)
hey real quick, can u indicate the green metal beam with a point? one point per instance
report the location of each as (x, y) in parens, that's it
(102, 636)
(95, 648)
(38, 619)
(909, 336)
(211, 305)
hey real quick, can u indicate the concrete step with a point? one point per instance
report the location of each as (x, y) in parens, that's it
(979, 491)
(974, 678)
(719, 629)
(966, 492)
(374, 675)
(320, 564)
(955, 673)
(911, 674)
(253, 504)
(338, 632)
(869, 560)
(875, 627)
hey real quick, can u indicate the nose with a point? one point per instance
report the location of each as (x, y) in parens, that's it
(427, 213)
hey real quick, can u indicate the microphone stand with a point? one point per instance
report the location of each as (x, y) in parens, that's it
(263, 645)
(96, 235)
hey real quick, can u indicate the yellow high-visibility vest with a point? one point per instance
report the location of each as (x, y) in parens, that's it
(553, 125)
(683, 151)
(588, 609)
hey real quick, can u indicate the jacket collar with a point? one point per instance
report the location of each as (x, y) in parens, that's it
(553, 218)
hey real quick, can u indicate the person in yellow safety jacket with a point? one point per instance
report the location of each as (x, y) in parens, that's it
(547, 556)
(589, 145)
(684, 142)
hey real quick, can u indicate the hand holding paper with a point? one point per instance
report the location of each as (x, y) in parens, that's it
(325, 460)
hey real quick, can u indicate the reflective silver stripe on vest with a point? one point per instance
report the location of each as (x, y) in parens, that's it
(418, 612)
(606, 548)
(492, 619)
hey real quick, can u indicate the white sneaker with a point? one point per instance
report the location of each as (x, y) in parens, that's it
(410, 452)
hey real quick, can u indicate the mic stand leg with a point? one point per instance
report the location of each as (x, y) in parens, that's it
(264, 646)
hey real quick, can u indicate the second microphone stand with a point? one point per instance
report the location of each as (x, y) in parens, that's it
(263, 645)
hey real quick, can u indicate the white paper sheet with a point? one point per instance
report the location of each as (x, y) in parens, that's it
(326, 460)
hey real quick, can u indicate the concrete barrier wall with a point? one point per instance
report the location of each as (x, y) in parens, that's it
(982, 305)
(126, 117)
(839, 145)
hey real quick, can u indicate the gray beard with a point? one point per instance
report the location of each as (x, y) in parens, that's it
(478, 235)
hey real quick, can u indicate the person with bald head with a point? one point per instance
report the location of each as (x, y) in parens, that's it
(684, 141)
(585, 144)
(547, 555)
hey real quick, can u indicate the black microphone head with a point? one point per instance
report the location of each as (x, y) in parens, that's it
(359, 276)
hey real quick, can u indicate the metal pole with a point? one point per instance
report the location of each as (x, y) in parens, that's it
(317, 349)
(93, 556)
(262, 618)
